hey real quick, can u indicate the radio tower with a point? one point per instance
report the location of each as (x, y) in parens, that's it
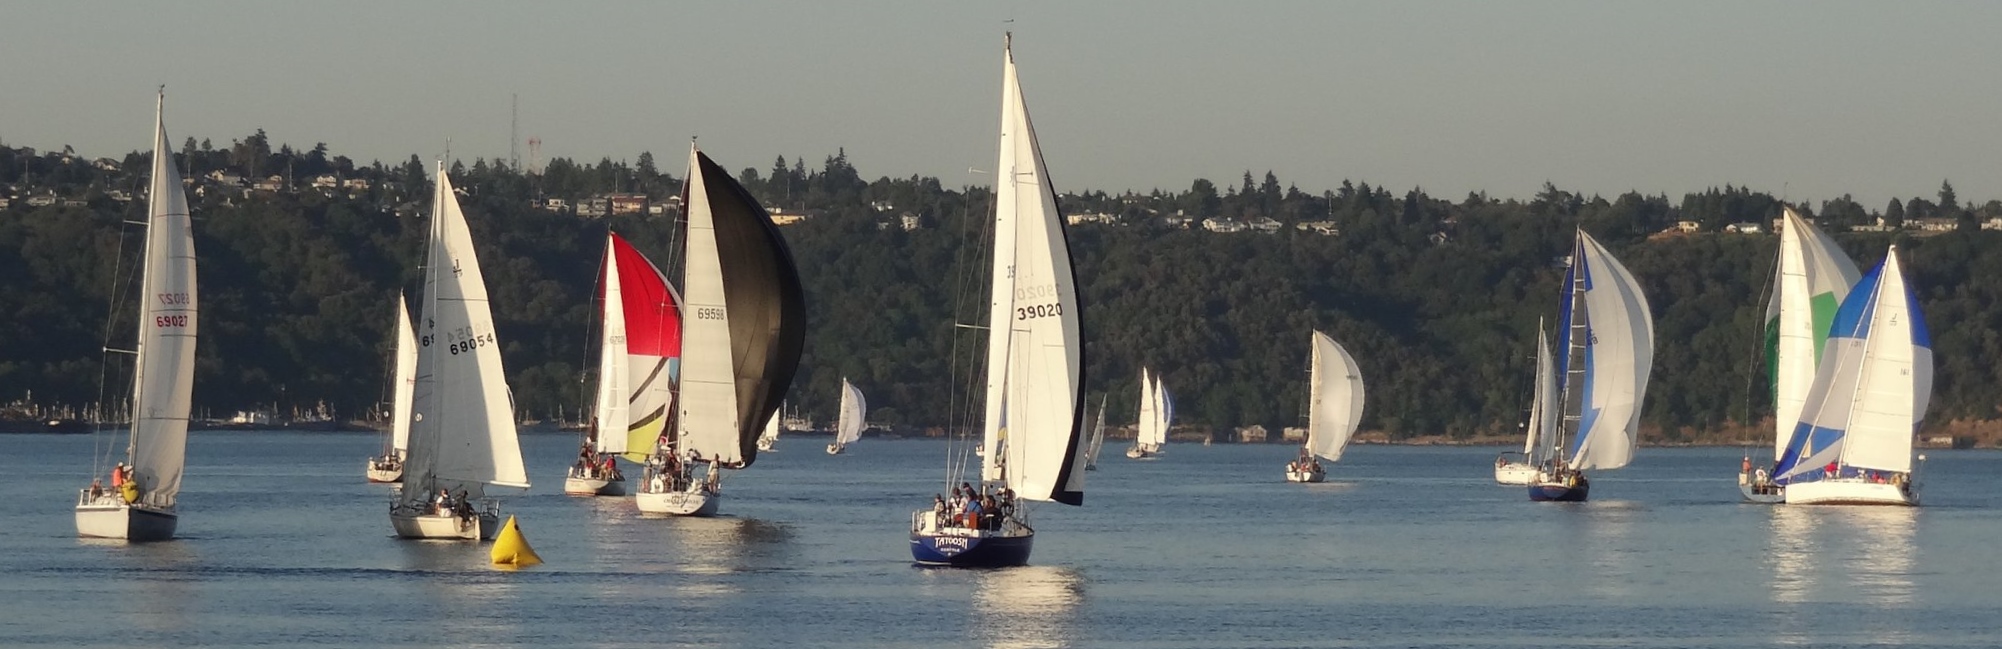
(514, 133)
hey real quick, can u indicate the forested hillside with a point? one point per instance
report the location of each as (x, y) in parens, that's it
(1438, 299)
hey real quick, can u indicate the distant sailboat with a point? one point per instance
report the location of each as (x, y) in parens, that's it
(1097, 438)
(1542, 423)
(140, 506)
(1334, 388)
(1157, 413)
(1609, 341)
(1813, 277)
(740, 348)
(1034, 375)
(388, 467)
(462, 434)
(769, 440)
(639, 344)
(1853, 443)
(854, 411)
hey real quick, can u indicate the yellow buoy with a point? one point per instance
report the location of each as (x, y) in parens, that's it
(511, 548)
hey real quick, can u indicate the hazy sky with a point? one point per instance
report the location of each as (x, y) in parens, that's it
(1804, 99)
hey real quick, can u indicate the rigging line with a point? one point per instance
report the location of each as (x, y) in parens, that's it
(587, 401)
(99, 451)
(1752, 360)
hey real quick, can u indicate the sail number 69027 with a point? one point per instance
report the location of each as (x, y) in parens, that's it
(1039, 311)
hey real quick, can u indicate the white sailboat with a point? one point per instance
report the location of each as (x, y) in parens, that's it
(1813, 277)
(1542, 423)
(140, 506)
(1334, 388)
(388, 467)
(770, 438)
(1097, 438)
(462, 434)
(1157, 413)
(1609, 341)
(854, 411)
(639, 343)
(1853, 443)
(1034, 425)
(741, 347)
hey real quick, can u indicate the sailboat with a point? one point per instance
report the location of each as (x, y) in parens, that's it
(1813, 277)
(1034, 375)
(1542, 422)
(140, 506)
(1157, 413)
(741, 347)
(1609, 348)
(1335, 397)
(639, 344)
(854, 410)
(462, 435)
(1097, 438)
(1853, 443)
(770, 438)
(388, 467)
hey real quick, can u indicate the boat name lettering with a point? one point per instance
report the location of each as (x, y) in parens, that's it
(173, 298)
(709, 313)
(170, 321)
(1039, 311)
(954, 543)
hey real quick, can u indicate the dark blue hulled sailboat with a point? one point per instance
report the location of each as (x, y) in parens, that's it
(1608, 334)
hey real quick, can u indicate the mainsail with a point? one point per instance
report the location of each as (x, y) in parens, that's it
(1610, 334)
(405, 378)
(1035, 368)
(1335, 406)
(1542, 439)
(1874, 383)
(1813, 277)
(748, 318)
(854, 413)
(640, 348)
(163, 380)
(1097, 434)
(462, 433)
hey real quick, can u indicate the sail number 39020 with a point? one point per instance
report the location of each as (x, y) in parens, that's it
(1039, 311)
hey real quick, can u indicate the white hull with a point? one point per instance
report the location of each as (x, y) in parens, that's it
(384, 475)
(1138, 453)
(1515, 473)
(678, 503)
(834, 449)
(575, 486)
(480, 527)
(1763, 492)
(1850, 491)
(765, 446)
(1310, 475)
(116, 520)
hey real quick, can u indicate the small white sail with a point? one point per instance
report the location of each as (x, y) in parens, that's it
(1097, 435)
(614, 396)
(1543, 406)
(405, 385)
(1150, 407)
(1335, 407)
(163, 380)
(462, 432)
(854, 413)
(1037, 331)
(771, 434)
(1874, 382)
(1814, 276)
(1612, 334)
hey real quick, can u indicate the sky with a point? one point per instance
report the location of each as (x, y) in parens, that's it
(1807, 100)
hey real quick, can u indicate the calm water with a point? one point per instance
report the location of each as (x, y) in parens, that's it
(282, 543)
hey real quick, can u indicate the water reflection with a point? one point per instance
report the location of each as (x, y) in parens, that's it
(1790, 550)
(1860, 554)
(162, 582)
(1027, 607)
(466, 601)
(1880, 565)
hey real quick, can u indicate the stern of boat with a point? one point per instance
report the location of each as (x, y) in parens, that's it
(107, 516)
(958, 547)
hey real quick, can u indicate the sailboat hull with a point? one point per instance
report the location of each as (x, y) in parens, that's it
(381, 475)
(1850, 491)
(834, 449)
(480, 527)
(765, 446)
(1138, 453)
(1764, 492)
(1555, 491)
(1309, 475)
(121, 521)
(962, 551)
(678, 503)
(575, 486)
(1514, 473)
